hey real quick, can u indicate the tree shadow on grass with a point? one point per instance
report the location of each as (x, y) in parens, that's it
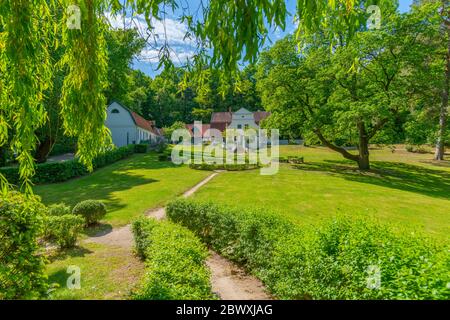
(72, 253)
(98, 230)
(395, 175)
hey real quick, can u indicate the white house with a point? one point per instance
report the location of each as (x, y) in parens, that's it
(241, 119)
(127, 127)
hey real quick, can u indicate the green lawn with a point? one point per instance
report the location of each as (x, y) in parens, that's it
(403, 188)
(106, 272)
(128, 188)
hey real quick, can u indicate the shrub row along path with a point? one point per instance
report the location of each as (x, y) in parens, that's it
(229, 281)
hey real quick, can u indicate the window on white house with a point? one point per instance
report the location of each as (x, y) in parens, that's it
(115, 111)
(239, 126)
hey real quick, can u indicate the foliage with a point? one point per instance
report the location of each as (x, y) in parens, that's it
(175, 262)
(25, 70)
(59, 209)
(64, 229)
(83, 101)
(333, 261)
(141, 148)
(91, 210)
(21, 266)
(176, 126)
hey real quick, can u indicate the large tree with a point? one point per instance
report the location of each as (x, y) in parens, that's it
(347, 93)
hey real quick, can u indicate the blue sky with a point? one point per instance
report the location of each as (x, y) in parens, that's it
(173, 32)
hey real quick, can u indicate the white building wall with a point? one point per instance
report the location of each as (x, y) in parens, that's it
(122, 127)
(243, 118)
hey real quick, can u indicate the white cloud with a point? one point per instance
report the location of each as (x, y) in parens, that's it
(170, 32)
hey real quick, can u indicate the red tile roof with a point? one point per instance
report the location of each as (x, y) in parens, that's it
(221, 117)
(204, 128)
(141, 122)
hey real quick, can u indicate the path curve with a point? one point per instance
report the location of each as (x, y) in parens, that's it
(229, 281)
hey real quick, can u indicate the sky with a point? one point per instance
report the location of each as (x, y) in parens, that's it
(173, 33)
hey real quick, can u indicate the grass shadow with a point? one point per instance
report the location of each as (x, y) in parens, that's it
(72, 253)
(395, 175)
(98, 230)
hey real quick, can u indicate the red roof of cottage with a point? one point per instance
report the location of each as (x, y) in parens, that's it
(260, 116)
(141, 122)
(204, 128)
(221, 117)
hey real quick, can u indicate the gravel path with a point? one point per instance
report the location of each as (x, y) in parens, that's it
(229, 281)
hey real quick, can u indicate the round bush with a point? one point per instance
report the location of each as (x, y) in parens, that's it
(60, 209)
(92, 211)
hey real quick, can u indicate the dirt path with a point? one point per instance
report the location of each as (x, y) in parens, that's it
(228, 281)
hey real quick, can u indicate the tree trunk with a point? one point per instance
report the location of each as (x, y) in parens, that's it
(43, 150)
(363, 147)
(440, 145)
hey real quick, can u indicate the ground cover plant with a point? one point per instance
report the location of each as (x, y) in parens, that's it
(344, 258)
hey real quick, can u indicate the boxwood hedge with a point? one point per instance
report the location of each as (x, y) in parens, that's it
(52, 172)
(175, 262)
(344, 258)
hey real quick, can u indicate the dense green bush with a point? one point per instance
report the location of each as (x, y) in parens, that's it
(337, 260)
(175, 262)
(22, 269)
(64, 229)
(52, 172)
(227, 167)
(59, 209)
(141, 148)
(91, 210)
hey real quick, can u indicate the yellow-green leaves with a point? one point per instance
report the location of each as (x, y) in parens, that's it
(83, 102)
(25, 72)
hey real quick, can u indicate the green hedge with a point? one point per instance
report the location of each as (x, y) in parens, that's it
(22, 268)
(92, 211)
(175, 262)
(338, 260)
(226, 167)
(52, 172)
(141, 148)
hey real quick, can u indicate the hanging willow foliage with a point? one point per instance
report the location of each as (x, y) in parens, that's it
(233, 30)
(83, 101)
(25, 71)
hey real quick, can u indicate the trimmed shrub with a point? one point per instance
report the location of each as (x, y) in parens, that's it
(141, 148)
(22, 269)
(59, 209)
(175, 262)
(64, 230)
(344, 258)
(52, 172)
(91, 210)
